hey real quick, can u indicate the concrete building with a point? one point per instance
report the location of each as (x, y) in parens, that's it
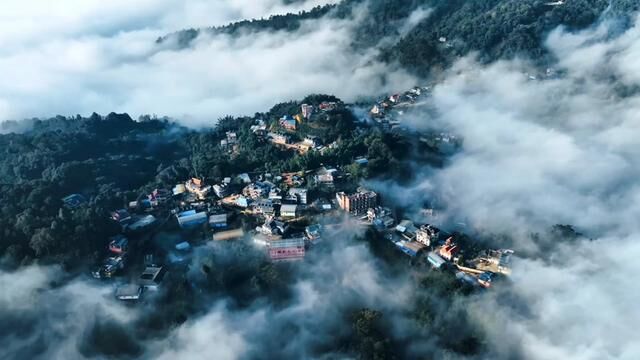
(300, 194)
(357, 203)
(191, 219)
(286, 249)
(151, 277)
(289, 211)
(129, 292)
(218, 221)
(307, 110)
(449, 250)
(427, 234)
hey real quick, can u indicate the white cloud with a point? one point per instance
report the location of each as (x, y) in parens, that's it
(94, 58)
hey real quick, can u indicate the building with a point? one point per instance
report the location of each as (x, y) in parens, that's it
(449, 250)
(191, 218)
(286, 249)
(118, 244)
(109, 267)
(289, 210)
(129, 292)
(122, 216)
(312, 141)
(74, 201)
(218, 221)
(257, 190)
(496, 261)
(357, 203)
(179, 189)
(435, 260)
(272, 227)
(196, 186)
(222, 190)
(228, 235)
(427, 234)
(263, 207)
(307, 110)
(300, 194)
(151, 277)
(279, 138)
(411, 248)
(245, 178)
(326, 176)
(313, 232)
(328, 105)
(288, 123)
(142, 223)
(407, 229)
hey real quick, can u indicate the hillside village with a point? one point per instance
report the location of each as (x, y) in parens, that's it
(283, 215)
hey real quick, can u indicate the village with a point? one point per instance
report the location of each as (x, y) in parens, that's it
(282, 215)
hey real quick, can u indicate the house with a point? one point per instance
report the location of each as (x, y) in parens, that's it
(427, 234)
(300, 194)
(151, 277)
(272, 227)
(129, 292)
(278, 138)
(191, 218)
(313, 232)
(228, 235)
(74, 201)
(142, 223)
(411, 248)
(181, 253)
(222, 190)
(312, 141)
(109, 267)
(257, 190)
(357, 203)
(289, 211)
(263, 207)
(326, 176)
(495, 261)
(275, 195)
(121, 216)
(218, 221)
(245, 178)
(293, 179)
(286, 249)
(449, 250)
(407, 229)
(377, 110)
(394, 98)
(288, 123)
(179, 189)
(328, 105)
(118, 244)
(197, 187)
(435, 260)
(307, 110)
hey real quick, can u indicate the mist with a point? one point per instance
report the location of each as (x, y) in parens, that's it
(103, 57)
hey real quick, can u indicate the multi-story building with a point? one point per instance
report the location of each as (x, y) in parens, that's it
(357, 203)
(307, 110)
(300, 194)
(427, 234)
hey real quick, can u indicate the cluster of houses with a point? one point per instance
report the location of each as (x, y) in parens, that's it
(426, 241)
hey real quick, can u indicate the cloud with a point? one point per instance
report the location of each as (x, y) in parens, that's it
(537, 153)
(113, 63)
(45, 316)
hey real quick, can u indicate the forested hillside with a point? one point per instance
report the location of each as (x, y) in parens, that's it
(496, 29)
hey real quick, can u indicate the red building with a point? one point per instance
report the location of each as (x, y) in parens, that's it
(286, 249)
